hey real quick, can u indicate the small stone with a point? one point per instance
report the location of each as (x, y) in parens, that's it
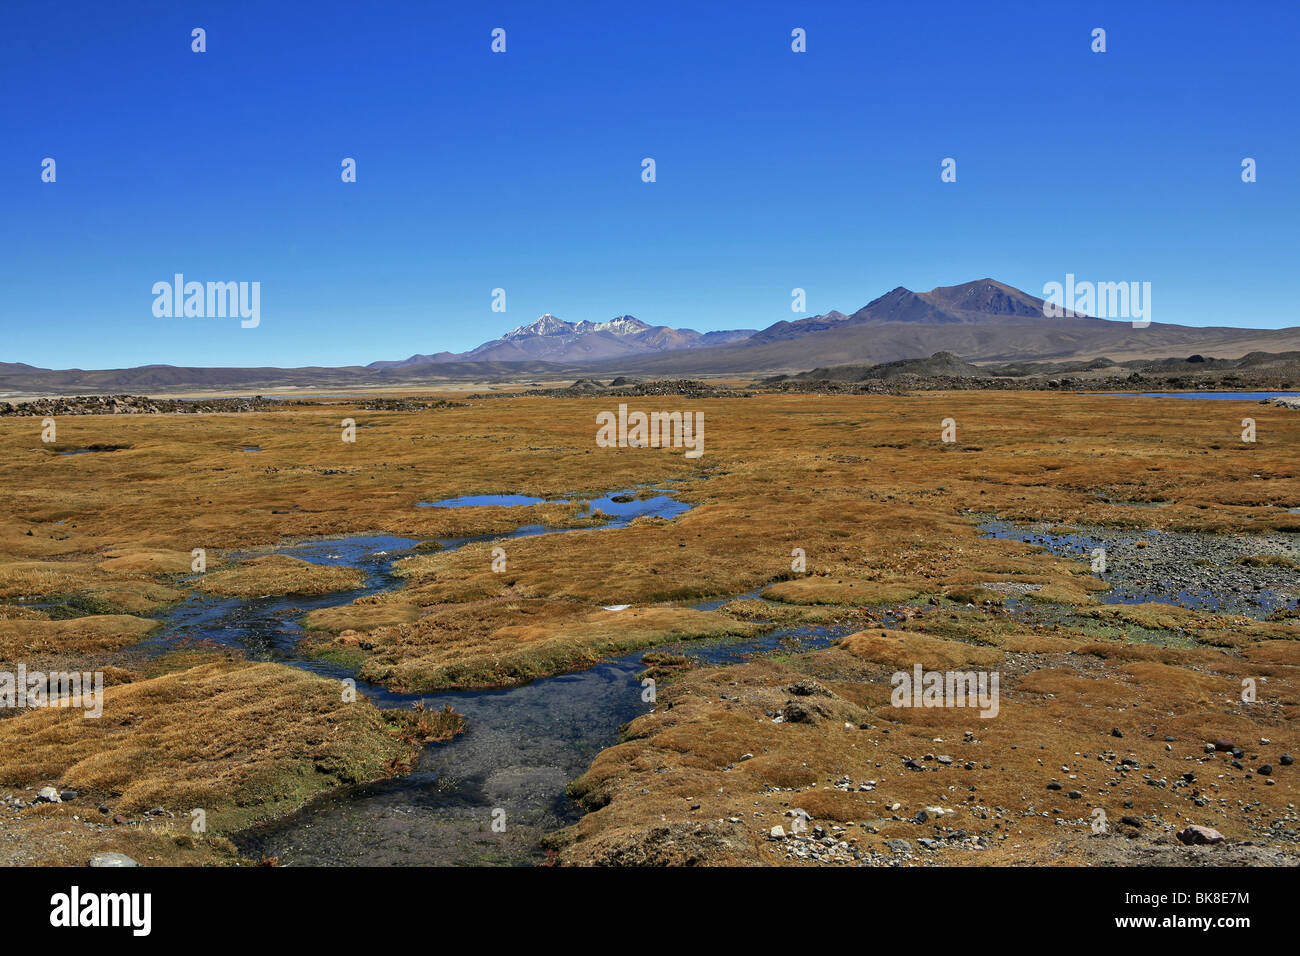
(1131, 821)
(112, 859)
(48, 795)
(1053, 786)
(1224, 744)
(777, 833)
(1200, 836)
(1286, 760)
(1265, 770)
(1116, 732)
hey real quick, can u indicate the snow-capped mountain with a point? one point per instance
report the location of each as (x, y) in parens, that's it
(623, 325)
(550, 325)
(551, 339)
(546, 325)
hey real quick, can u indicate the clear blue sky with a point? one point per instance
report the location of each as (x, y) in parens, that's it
(479, 170)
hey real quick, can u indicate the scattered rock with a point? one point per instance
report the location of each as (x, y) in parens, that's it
(808, 688)
(1194, 835)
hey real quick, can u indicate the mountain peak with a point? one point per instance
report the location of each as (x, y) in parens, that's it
(545, 325)
(622, 325)
(987, 296)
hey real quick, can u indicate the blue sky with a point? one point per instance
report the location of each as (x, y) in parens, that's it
(522, 170)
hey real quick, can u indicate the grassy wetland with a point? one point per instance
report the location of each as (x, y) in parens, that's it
(845, 516)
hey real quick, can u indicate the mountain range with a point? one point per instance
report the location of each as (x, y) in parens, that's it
(981, 322)
(553, 340)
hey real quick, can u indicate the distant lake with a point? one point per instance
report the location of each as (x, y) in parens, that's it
(1222, 396)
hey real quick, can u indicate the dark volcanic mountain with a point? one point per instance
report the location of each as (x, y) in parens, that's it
(981, 321)
(980, 302)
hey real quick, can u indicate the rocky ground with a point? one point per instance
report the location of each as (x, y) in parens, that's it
(628, 388)
(131, 405)
(1135, 382)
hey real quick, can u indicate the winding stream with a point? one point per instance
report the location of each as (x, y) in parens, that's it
(521, 746)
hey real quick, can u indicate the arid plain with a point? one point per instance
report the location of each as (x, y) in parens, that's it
(1104, 705)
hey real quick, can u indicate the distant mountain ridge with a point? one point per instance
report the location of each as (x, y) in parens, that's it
(550, 339)
(972, 303)
(984, 321)
(980, 321)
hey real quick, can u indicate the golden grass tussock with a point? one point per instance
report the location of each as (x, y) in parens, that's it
(486, 648)
(828, 590)
(245, 742)
(151, 561)
(364, 614)
(21, 639)
(278, 574)
(903, 649)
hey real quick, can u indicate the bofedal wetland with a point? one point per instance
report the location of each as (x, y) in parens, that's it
(654, 657)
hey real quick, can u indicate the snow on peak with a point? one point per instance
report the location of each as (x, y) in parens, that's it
(546, 325)
(623, 325)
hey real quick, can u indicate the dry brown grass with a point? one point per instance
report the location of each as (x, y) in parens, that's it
(278, 574)
(861, 483)
(245, 742)
(497, 642)
(23, 639)
(1055, 720)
